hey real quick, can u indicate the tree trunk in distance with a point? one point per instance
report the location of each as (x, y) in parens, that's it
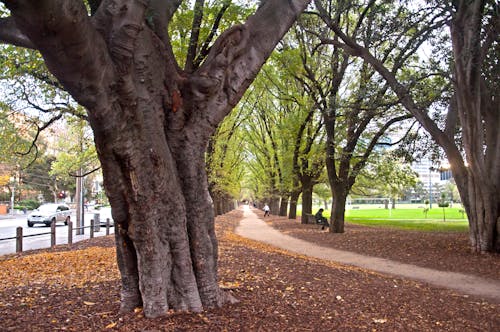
(307, 191)
(294, 197)
(284, 205)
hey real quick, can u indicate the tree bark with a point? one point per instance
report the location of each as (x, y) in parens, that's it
(307, 192)
(340, 192)
(294, 197)
(151, 124)
(274, 204)
(478, 108)
(284, 205)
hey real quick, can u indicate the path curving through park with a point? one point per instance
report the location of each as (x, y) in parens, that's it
(252, 227)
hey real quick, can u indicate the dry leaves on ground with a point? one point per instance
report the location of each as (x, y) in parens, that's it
(78, 290)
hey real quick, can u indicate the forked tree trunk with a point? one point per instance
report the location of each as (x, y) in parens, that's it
(475, 38)
(166, 246)
(152, 122)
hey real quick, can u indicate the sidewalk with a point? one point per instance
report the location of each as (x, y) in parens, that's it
(256, 229)
(13, 216)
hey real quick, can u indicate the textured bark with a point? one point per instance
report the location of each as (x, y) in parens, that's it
(337, 221)
(478, 104)
(294, 197)
(152, 122)
(284, 205)
(274, 204)
(307, 191)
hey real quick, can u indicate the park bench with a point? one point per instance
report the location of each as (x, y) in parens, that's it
(311, 219)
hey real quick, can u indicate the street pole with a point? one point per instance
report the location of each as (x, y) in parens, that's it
(78, 196)
(82, 202)
(12, 195)
(430, 188)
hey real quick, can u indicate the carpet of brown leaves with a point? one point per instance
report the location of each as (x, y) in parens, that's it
(77, 289)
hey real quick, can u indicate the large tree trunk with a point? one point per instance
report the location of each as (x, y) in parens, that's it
(337, 222)
(475, 40)
(152, 122)
(483, 212)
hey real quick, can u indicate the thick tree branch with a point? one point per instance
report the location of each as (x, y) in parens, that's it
(76, 39)
(158, 15)
(239, 53)
(10, 34)
(401, 91)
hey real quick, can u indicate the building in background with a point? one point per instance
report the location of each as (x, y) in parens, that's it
(432, 178)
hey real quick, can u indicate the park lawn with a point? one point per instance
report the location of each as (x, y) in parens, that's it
(409, 219)
(436, 213)
(429, 225)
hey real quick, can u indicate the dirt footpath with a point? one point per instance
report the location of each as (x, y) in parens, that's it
(254, 228)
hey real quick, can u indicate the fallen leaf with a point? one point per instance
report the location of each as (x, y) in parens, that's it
(111, 325)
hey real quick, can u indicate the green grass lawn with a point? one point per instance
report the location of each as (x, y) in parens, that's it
(408, 218)
(411, 219)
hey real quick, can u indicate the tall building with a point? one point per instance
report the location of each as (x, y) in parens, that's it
(430, 175)
(427, 173)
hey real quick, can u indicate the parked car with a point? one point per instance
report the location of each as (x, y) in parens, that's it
(49, 213)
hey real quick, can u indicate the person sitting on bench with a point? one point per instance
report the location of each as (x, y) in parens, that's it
(320, 220)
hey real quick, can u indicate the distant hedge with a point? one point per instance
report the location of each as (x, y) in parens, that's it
(29, 204)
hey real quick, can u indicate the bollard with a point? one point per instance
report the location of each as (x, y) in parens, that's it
(70, 232)
(107, 226)
(91, 228)
(53, 234)
(97, 222)
(19, 239)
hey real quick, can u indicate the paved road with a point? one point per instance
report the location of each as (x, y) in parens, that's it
(9, 223)
(256, 229)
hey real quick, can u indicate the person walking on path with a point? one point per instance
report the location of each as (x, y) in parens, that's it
(266, 210)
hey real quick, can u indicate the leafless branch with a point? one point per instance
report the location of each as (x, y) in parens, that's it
(85, 174)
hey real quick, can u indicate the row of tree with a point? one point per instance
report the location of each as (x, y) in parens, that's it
(157, 78)
(354, 76)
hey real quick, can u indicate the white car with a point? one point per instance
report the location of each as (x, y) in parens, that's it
(49, 213)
